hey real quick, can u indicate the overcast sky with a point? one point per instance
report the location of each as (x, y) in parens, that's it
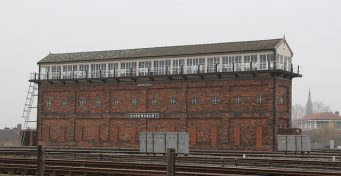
(30, 29)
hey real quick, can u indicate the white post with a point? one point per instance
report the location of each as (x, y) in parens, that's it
(331, 145)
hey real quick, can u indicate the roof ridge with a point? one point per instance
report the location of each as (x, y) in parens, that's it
(163, 51)
(322, 116)
(168, 46)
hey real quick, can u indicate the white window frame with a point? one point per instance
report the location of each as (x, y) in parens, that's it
(237, 99)
(134, 101)
(98, 102)
(194, 100)
(154, 101)
(64, 103)
(260, 99)
(173, 101)
(49, 103)
(282, 100)
(117, 102)
(139, 67)
(214, 100)
(82, 102)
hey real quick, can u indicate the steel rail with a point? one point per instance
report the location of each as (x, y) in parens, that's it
(28, 166)
(283, 161)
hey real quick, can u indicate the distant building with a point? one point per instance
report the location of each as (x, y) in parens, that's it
(321, 127)
(10, 137)
(320, 120)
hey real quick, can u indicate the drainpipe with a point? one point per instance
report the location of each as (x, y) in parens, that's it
(38, 73)
(274, 108)
(38, 125)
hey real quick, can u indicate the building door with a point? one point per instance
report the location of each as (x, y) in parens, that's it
(259, 138)
(214, 136)
(193, 135)
(236, 135)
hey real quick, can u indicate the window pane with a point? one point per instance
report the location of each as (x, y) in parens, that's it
(134, 101)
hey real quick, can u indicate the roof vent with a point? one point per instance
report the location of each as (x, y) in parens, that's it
(337, 113)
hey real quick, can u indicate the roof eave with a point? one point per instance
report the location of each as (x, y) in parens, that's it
(184, 55)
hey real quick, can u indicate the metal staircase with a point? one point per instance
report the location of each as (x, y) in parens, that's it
(31, 94)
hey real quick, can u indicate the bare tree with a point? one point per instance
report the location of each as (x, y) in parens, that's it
(298, 112)
(320, 107)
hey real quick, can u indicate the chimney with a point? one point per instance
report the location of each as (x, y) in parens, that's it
(19, 127)
(337, 113)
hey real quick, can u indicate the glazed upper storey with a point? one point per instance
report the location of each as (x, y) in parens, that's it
(187, 59)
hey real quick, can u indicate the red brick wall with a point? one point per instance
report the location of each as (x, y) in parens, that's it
(225, 125)
(164, 95)
(125, 96)
(204, 95)
(57, 97)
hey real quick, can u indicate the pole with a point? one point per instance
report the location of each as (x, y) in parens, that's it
(41, 160)
(171, 162)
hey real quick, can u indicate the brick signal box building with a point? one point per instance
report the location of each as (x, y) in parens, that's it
(226, 95)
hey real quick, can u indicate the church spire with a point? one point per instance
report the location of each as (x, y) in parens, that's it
(309, 106)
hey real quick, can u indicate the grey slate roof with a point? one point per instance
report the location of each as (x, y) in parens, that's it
(163, 51)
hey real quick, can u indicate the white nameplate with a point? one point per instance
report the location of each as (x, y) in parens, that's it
(144, 115)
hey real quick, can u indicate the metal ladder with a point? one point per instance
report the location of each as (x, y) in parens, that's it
(31, 94)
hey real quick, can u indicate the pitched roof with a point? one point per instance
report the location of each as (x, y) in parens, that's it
(322, 116)
(163, 51)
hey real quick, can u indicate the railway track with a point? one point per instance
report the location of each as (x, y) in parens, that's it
(107, 161)
(98, 152)
(81, 167)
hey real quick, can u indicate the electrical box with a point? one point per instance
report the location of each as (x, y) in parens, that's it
(159, 142)
(293, 143)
